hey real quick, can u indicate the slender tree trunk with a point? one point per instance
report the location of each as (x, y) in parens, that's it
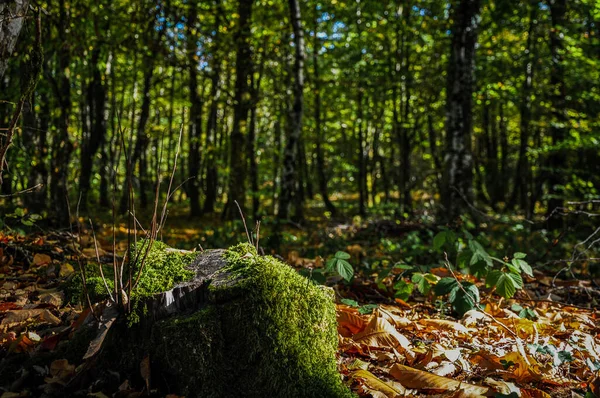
(361, 178)
(97, 132)
(62, 147)
(251, 145)
(558, 129)
(195, 129)
(458, 161)
(243, 68)
(319, 134)
(523, 172)
(289, 186)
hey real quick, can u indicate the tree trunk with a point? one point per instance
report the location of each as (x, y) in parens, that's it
(195, 129)
(320, 136)
(361, 178)
(523, 172)
(458, 160)
(289, 188)
(12, 17)
(243, 68)
(558, 129)
(62, 147)
(97, 133)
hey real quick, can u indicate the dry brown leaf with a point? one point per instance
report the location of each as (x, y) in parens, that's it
(54, 298)
(421, 380)
(350, 321)
(41, 259)
(444, 324)
(373, 383)
(445, 369)
(61, 371)
(394, 316)
(381, 333)
(533, 393)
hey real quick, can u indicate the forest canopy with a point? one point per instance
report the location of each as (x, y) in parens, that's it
(429, 106)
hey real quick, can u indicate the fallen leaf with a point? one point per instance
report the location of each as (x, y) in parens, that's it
(381, 333)
(444, 324)
(41, 259)
(350, 320)
(66, 270)
(61, 371)
(421, 380)
(371, 381)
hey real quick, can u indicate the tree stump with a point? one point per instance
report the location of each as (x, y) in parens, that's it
(246, 325)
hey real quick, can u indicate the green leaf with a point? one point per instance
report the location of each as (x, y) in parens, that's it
(463, 258)
(462, 302)
(503, 282)
(516, 307)
(351, 303)
(513, 268)
(330, 265)
(403, 289)
(479, 253)
(523, 265)
(527, 313)
(438, 240)
(403, 266)
(565, 356)
(367, 309)
(519, 255)
(345, 270)
(342, 255)
(423, 284)
(445, 286)
(517, 279)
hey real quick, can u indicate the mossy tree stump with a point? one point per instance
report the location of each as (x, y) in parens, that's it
(246, 325)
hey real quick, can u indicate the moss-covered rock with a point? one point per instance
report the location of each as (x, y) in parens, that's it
(263, 331)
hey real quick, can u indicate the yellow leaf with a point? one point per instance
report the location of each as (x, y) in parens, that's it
(418, 379)
(66, 269)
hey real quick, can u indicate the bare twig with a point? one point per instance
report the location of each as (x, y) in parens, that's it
(257, 234)
(244, 221)
(25, 191)
(99, 263)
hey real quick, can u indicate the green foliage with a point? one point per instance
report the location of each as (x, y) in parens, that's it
(473, 258)
(339, 264)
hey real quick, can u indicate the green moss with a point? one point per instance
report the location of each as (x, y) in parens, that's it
(95, 285)
(162, 269)
(268, 332)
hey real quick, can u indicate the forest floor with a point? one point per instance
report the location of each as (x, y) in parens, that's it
(542, 342)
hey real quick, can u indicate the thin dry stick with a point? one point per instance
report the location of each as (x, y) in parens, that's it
(244, 221)
(99, 263)
(28, 190)
(257, 234)
(447, 263)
